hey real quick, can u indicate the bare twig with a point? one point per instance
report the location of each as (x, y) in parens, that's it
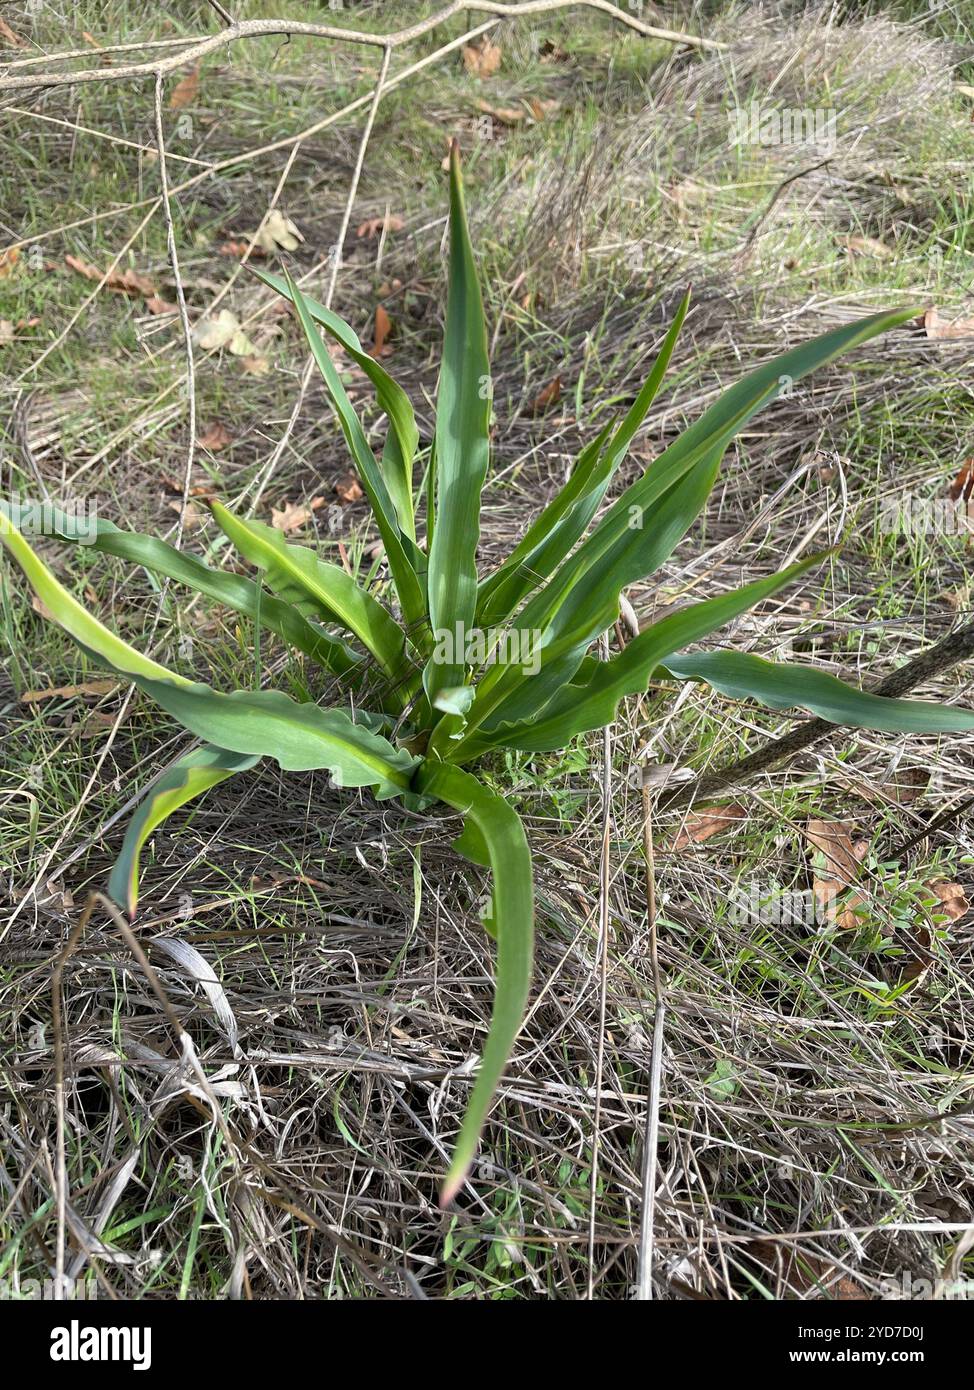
(261, 28)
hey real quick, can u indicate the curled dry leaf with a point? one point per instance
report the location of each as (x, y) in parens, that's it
(156, 305)
(940, 328)
(224, 331)
(291, 517)
(120, 281)
(69, 692)
(238, 249)
(372, 226)
(547, 396)
(507, 115)
(698, 826)
(185, 92)
(867, 246)
(383, 325)
(9, 38)
(215, 437)
(8, 261)
(840, 857)
(349, 489)
(963, 485)
(482, 59)
(952, 898)
(278, 233)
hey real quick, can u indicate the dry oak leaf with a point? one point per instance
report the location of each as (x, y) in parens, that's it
(185, 91)
(290, 517)
(121, 281)
(223, 331)
(507, 115)
(842, 857)
(215, 436)
(939, 329)
(277, 232)
(8, 261)
(482, 59)
(349, 489)
(698, 826)
(372, 226)
(67, 692)
(254, 364)
(953, 899)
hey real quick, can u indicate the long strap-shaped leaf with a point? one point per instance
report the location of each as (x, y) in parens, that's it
(784, 685)
(500, 833)
(462, 446)
(316, 588)
(82, 626)
(582, 598)
(192, 775)
(233, 590)
(268, 723)
(403, 438)
(666, 521)
(404, 559)
(549, 539)
(593, 704)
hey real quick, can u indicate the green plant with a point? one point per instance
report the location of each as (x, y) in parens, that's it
(470, 664)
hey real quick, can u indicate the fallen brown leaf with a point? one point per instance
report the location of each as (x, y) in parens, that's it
(156, 305)
(963, 485)
(700, 825)
(122, 282)
(867, 246)
(548, 395)
(349, 489)
(383, 325)
(67, 692)
(238, 249)
(8, 261)
(372, 226)
(291, 517)
(215, 437)
(9, 37)
(185, 91)
(842, 857)
(482, 59)
(507, 115)
(939, 328)
(953, 899)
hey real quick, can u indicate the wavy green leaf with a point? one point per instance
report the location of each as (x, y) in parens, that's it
(582, 598)
(400, 449)
(233, 590)
(86, 630)
(406, 563)
(564, 520)
(783, 685)
(462, 446)
(500, 835)
(316, 588)
(192, 775)
(582, 707)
